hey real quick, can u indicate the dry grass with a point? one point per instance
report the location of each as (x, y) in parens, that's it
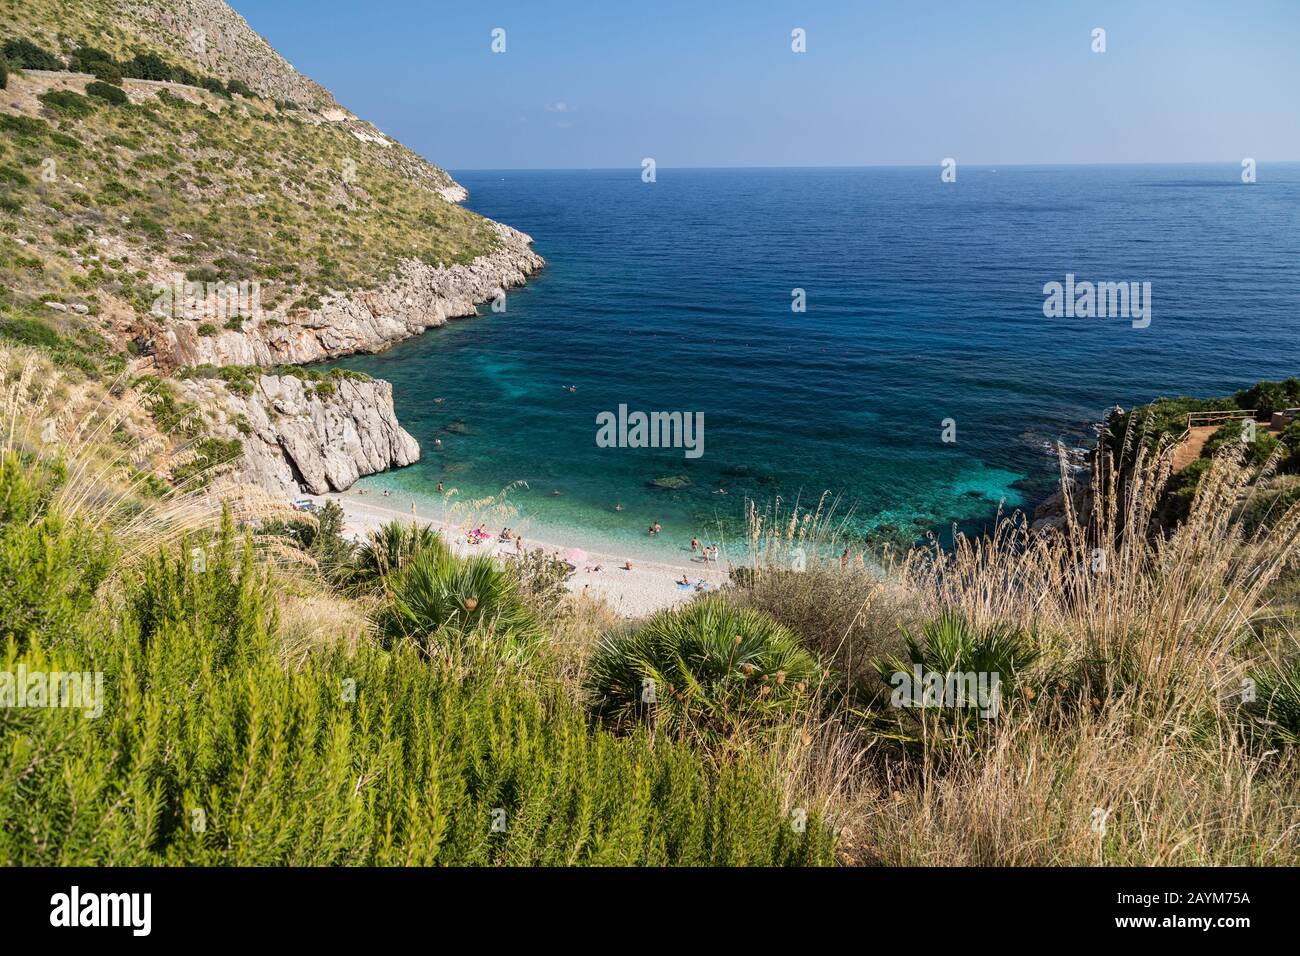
(311, 616)
(1131, 749)
(71, 424)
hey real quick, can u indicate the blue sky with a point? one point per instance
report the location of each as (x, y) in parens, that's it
(601, 84)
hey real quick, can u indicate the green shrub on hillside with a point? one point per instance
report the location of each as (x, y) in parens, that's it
(710, 667)
(390, 549)
(107, 92)
(26, 55)
(811, 603)
(1274, 714)
(440, 602)
(1258, 450)
(207, 455)
(1269, 397)
(27, 330)
(147, 66)
(213, 85)
(4, 73)
(951, 646)
(321, 538)
(67, 102)
(50, 567)
(542, 579)
(239, 87)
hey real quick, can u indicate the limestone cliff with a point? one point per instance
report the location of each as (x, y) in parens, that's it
(301, 435)
(417, 297)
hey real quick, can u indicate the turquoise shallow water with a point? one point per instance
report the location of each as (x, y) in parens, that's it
(924, 302)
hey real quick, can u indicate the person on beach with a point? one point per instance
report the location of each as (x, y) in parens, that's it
(412, 507)
(695, 545)
(685, 581)
(440, 487)
(627, 565)
(844, 558)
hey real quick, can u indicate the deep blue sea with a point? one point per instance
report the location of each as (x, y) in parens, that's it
(924, 302)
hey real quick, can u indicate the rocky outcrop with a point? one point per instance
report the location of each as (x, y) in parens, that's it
(302, 435)
(417, 297)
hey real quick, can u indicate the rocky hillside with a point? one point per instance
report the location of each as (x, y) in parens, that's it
(206, 36)
(174, 194)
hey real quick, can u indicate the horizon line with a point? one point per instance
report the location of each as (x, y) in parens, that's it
(975, 165)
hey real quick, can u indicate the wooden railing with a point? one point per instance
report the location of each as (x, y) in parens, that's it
(1201, 419)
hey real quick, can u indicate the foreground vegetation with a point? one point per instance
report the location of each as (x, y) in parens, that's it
(275, 693)
(225, 738)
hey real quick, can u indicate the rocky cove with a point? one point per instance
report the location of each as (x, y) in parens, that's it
(301, 436)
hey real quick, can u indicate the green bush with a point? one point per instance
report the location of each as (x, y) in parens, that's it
(1269, 397)
(322, 539)
(27, 330)
(50, 567)
(89, 59)
(950, 645)
(1274, 715)
(4, 73)
(107, 92)
(542, 579)
(207, 329)
(208, 750)
(1231, 435)
(239, 87)
(438, 601)
(33, 332)
(711, 668)
(390, 549)
(213, 85)
(147, 66)
(1290, 437)
(28, 56)
(66, 101)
